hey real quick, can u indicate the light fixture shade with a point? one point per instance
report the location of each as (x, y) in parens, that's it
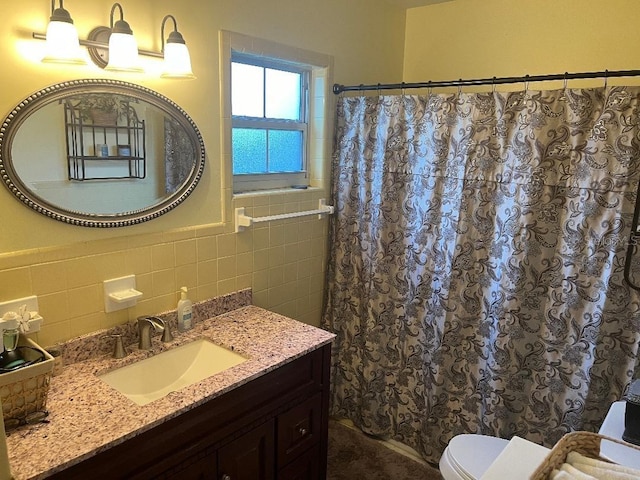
(62, 42)
(123, 53)
(177, 61)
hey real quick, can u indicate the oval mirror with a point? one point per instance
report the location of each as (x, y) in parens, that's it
(100, 153)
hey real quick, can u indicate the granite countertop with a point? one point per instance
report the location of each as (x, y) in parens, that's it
(86, 416)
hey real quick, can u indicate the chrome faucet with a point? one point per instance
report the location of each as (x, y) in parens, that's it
(145, 324)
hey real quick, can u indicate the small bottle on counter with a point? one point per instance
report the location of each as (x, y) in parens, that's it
(185, 317)
(10, 331)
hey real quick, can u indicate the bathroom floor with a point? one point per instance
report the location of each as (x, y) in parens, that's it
(355, 456)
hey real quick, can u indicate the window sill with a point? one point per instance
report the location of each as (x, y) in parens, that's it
(276, 191)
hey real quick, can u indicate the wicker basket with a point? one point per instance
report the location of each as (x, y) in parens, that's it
(24, 391)
(103, 118)
(585, 443)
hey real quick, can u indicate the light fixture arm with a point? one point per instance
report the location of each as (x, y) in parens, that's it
(101, 44)
(59, 14)
(113, 10)
(120, 26)
(175, 36)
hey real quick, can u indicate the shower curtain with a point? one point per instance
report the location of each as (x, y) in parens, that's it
(475, 281)
(179, 155)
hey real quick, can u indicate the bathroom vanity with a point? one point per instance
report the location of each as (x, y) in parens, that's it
(273, 424)
(265, 418)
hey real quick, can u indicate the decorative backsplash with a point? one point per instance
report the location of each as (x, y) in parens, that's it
(101, 343)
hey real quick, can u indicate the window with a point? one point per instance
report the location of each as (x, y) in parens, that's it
(269, 104)
(274, 111)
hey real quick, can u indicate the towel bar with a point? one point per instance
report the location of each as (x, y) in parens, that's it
(243, 221)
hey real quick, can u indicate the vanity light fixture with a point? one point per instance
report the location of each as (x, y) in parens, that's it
(114, 48)
(62, 45)
(177, 61)
(123, 48)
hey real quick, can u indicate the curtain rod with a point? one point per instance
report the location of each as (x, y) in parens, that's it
(337, 88)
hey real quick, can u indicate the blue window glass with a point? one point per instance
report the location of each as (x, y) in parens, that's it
(249, 150)
(285, 151)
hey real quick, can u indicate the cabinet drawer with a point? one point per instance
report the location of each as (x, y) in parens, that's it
(298, 429)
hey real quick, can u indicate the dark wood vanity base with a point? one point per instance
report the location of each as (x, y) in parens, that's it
(272, 427)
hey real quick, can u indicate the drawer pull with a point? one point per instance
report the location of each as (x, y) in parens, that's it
(226, 477)
(302, 431)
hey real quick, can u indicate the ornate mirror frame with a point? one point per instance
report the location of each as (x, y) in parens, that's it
(58, 92)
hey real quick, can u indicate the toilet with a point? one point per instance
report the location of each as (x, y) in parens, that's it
(468, 456)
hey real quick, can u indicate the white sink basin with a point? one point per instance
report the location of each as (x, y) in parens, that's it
(154, 377)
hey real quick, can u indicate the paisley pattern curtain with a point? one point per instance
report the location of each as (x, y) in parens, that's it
(476, 271)
(179, 155)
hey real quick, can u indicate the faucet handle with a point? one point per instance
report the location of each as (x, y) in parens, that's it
(167, 336)
(118, 350)
(159, 325)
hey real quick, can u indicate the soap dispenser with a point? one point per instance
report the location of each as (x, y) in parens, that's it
(184, 312)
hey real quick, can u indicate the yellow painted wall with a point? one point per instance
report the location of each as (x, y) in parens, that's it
(194, 244)
(486, 38)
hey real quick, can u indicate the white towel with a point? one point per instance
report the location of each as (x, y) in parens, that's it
(567, 472)
(601, 469)
(560, 475)
(576, 473)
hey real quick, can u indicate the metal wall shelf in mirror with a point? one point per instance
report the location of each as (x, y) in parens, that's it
(100, 153)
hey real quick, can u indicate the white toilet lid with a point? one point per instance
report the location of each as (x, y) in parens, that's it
(472, 454)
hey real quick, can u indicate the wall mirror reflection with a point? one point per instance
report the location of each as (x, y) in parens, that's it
(100, 153)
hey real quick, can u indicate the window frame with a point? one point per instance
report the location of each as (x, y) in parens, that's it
(320, 114)
(276, 179)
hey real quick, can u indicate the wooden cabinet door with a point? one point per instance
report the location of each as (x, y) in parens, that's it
(249, 457)
(203, 468)
(305, 467)
(298, 429)
(182, 465)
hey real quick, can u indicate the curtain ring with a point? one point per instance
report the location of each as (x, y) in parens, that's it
(402, 85)
(606, 78)
(493, 85)
(459, 87)
(379, 91)
(565, 80)
(526, 84)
